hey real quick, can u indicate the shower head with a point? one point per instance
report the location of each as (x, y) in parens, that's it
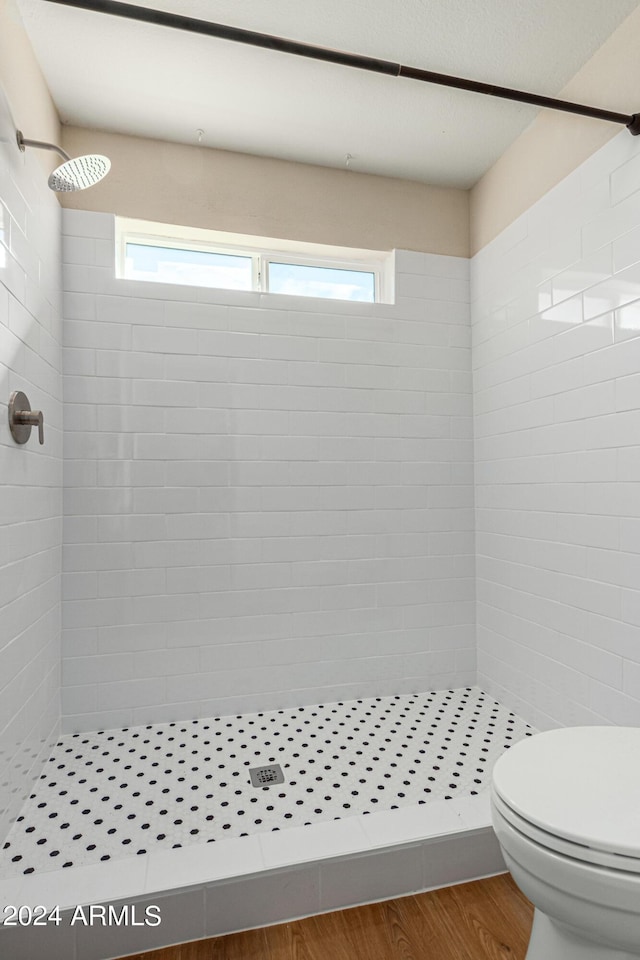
(76, 173)
(79, 173)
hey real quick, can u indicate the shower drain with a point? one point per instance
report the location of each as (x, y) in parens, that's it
(265, 776)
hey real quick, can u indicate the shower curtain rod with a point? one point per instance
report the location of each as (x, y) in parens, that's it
(176, 21)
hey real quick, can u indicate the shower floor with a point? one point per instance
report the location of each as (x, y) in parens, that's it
(107, 795)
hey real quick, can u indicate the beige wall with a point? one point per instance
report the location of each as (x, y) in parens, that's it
(20, 75)
(240, 193)
(556, 143)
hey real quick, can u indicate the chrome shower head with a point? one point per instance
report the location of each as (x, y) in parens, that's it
(75, 173)
(79, 173)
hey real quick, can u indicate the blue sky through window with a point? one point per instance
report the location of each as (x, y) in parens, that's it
(327, 282)
(204, 268)
(199, 268)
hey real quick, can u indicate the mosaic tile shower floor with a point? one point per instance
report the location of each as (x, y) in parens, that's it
(103, 796)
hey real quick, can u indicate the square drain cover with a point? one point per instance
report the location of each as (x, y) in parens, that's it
(265, 776)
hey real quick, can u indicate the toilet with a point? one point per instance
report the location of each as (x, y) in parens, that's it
(566, 812)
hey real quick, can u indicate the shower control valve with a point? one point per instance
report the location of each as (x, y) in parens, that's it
(22, 418)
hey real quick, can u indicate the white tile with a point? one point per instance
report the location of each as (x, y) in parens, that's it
(546, 491)
(182, 915)
(262, 900)
(83, 223)
(54, 942)
(625, 180)
(433, 818)
(78, 250)
(367, 877)
(612, 293)
(11, 891)
(119, 309)
(30, 360)
(461, 858)
(203, 863)
(164, 340)
(93, 883)
(316, 842)
(625, 250)
(475, 812)
(632, 679)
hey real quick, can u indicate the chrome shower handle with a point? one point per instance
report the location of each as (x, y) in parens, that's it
(22, 418)
(32, 418)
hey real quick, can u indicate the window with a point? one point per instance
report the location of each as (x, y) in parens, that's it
(163, 253)
(198, 268)
(315, 281)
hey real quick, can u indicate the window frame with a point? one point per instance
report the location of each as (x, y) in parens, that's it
(261, 250)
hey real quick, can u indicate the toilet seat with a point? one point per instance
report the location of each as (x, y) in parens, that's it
(565, 848)
(575, 791)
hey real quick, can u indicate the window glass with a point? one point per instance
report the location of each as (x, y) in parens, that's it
(329, 282)
(193, 256)
(198, 268)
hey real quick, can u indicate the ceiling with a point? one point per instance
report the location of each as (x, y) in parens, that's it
(128, 77)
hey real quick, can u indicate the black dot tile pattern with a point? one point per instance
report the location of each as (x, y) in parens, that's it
(106, 795)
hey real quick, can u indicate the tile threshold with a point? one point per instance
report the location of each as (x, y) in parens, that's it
(230, 860)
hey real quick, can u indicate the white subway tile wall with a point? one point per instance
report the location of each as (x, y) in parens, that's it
(30, 475)
(556, 357)
(268, 499)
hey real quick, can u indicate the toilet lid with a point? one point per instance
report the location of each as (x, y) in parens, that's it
(579, 783)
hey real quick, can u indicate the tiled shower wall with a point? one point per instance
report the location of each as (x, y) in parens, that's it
(556, 355)
(30, 475)
(268, 499)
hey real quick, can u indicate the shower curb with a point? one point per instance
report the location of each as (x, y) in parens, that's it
(268, 878)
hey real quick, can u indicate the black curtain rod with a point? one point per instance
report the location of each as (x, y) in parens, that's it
(162, 18)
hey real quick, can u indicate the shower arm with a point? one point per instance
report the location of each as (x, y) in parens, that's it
(176, 21)
(39, 145)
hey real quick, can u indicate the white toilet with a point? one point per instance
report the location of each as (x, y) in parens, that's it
(566, 811)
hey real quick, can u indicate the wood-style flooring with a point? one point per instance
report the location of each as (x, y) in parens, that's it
(484, 920)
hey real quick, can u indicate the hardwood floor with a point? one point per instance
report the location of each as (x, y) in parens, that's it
(485, 920)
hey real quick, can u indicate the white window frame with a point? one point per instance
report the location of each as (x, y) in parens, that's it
(261, 250)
